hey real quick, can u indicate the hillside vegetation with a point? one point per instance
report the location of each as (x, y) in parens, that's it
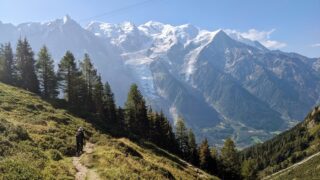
(288, 148)
(306, 170)
(37, 142)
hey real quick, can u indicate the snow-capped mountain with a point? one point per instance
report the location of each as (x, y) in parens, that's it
(221, 83)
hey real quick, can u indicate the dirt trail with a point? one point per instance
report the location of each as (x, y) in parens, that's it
(83, 172)
(292, 167)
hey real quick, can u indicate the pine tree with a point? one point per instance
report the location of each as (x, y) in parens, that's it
(26, 67)
(7, 63)
(3, 70)
(157, 133)
(193, 153)
(136, 112)
(69, 78)
(98, 98)
(168, 138)
(121, 119)
(204, 155)
(89, 77)
(182, 138)
(214, 163)
(248, 169)
(230, 159)
(47, 77)
(110, 105)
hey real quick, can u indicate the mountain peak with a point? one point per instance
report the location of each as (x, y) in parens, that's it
(153, 23)
(66, 19)
(220, 32)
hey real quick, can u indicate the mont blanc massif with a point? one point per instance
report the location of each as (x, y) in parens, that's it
(222, 84)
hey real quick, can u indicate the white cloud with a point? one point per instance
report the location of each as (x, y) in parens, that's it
(315, 45)
(264, 37)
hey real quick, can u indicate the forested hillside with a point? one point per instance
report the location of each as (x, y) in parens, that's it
(287, 148)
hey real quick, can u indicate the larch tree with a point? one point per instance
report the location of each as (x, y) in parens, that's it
(121, 118)
(193, 149)
(26, 67)
(182, 138)
(89, 77)
(46, 74)
(8, 65)
(68, 74)
(98, 98)
(110, 105)
(136, 112)
(204, 155)
(230, 159)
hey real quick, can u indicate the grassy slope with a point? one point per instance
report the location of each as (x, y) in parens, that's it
(37, 141)
(308, 170)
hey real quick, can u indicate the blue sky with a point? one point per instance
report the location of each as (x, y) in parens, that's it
(290, 25)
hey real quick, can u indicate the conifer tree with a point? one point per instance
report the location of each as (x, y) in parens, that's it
(182, 138)
(26, 67)
(98, 98)
(157, 132)
(3, 71)
(47, 77)
(168, 139)
(248, 169)
(230, 160)
(7, 63)
(69, 78)
(204, 155)
(121, 119)
(214, 163)
(89, 77)
(193, 150)
(136, 112)
(110, 105)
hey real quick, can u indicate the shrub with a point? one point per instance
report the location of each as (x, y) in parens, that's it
(55, 155)
(10, 169)
(5, 147)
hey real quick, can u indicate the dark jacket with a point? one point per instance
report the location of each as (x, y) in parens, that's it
(80, 137)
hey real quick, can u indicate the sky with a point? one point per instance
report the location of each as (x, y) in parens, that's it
(288, 25)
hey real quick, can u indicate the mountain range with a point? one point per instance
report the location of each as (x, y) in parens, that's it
(221, 83)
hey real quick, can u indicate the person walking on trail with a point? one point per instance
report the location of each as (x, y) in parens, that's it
(80, 141)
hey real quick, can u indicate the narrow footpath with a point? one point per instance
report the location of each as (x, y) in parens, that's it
(83, 172)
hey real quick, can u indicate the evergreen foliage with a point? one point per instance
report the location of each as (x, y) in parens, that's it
(182, 138)
(136, 113)
(204, 155)
(68, 74)
(230, 160)
(47, 77)
(109, 104)
(26, 73)
(193, 151)
(7, 64)
(90, 82)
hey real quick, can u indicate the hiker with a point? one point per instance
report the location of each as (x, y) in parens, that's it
(80, 141)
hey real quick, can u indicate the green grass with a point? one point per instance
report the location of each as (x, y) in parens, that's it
(37, 142)
(123, 159)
